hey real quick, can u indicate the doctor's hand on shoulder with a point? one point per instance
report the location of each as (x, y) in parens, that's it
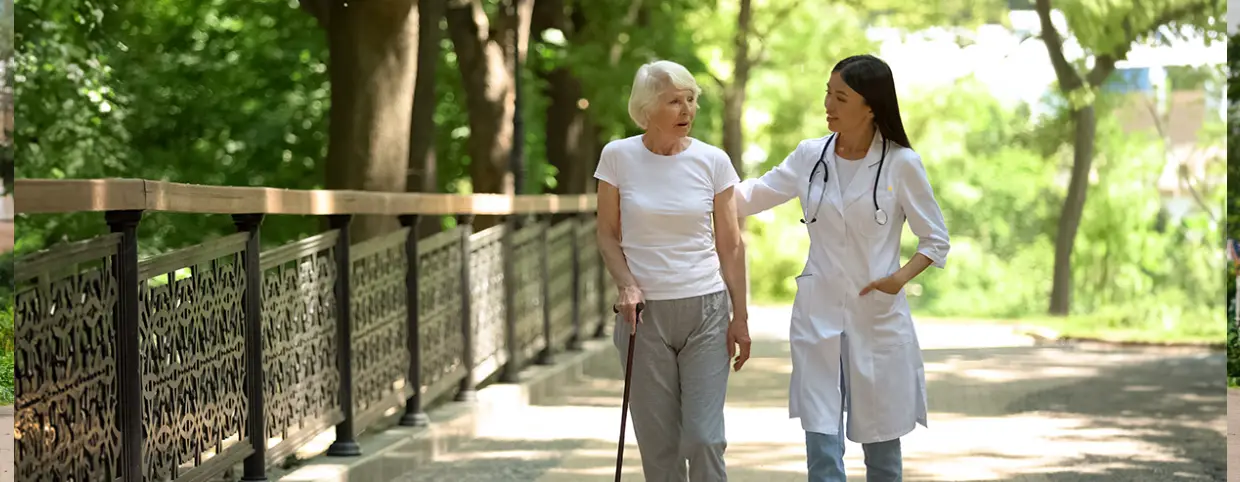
(890, 285)
(738, 336)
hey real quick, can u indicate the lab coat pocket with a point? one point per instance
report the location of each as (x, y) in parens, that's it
(885, 298)
(809, 317)
(801, 302)
(888, 325)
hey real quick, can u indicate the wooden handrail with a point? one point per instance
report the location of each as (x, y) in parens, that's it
(77, 195)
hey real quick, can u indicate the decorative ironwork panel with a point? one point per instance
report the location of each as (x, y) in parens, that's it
(65, 426)
(560, 286)
(527, 271)
(301, 384)
(487, 285)
(590, 264)
(192, 326)
(380, 340)
(439, 309)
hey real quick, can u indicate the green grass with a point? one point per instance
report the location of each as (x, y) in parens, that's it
(7, 376)
(1113, 328)
(6, 379)
(1110, 329)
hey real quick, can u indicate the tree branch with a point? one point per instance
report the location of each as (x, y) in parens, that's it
(1188, 183)
(1169, 17)
(1103, 66)
(1186, 179)
(1069, 79)
(1104, 63)
(630, 18)
(760, 56)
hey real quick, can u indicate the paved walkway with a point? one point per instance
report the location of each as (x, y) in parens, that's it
(1233, 435)
(6, 444)
(1002, 410)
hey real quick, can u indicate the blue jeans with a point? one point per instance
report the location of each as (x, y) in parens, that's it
(883, 461)
(825, 453)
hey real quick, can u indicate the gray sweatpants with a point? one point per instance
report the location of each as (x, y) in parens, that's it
(678, 386)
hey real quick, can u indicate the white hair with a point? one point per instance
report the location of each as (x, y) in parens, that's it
(652, 80)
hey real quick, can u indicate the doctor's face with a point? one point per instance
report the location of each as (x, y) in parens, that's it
(673, 112)
(847, 111)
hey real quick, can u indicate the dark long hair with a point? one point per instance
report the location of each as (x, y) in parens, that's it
(871, 77)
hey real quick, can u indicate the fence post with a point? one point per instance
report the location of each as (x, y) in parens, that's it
(508, 258)
(466, 393)
(256, 426)
(345, 444)
(574, 342)
(547, 356)
(414, 416)
(601, 310)
(128, 356)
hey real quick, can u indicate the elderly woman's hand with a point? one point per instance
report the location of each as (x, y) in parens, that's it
(738, 336)
(630, 297)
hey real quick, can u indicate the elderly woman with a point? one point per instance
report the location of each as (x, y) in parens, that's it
(669, 235)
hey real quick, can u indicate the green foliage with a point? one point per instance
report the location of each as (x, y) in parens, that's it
(1110, 27)
(236, 93)
(934, 13)
(1233, 139)
(786, 99)
(203, 91)
(6, 331)
(1233, 202)
(1233, 331)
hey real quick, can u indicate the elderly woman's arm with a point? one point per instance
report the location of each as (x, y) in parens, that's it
(608, 232)
(731, 248)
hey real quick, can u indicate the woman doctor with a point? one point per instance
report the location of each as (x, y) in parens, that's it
(853, 345)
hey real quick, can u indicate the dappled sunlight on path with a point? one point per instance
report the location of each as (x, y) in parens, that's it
(1008, 412)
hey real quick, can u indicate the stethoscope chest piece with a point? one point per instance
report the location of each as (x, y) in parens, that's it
(880, 216)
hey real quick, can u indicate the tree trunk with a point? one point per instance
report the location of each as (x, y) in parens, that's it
(566, 120)
(1085, 121)
(1073, 208)
(373, 65)
(733, 129)
(590, 139)
(423, 175)
(484, 57)
(734, 91)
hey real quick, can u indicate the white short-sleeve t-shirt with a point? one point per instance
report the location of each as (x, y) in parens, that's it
(666, 203)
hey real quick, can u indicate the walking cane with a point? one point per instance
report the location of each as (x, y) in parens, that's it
(628, 375)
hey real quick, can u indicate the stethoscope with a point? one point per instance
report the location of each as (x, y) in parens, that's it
(880, 216)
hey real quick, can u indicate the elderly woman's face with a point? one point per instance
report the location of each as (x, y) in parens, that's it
(673, 113)
(846, 109)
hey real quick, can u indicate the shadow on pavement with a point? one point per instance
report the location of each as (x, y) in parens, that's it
(1060, 413)
(491, 460)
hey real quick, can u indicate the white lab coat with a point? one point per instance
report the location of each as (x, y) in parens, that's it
(870, 339)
